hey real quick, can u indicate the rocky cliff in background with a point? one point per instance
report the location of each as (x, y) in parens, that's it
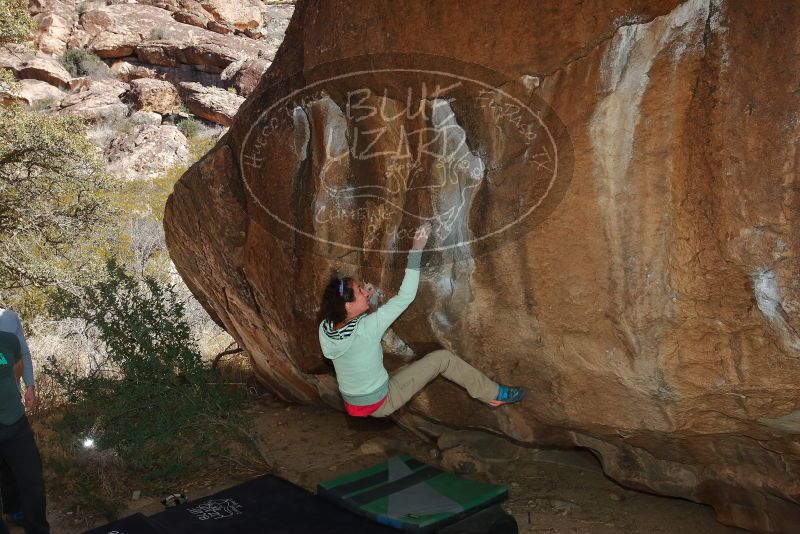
(162, 62)
(654, 312)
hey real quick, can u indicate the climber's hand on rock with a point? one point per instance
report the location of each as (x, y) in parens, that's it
(370, 289)
(421, 236)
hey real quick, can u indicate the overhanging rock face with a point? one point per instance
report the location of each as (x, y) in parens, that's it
(614, 193)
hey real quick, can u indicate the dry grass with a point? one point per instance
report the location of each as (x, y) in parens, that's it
(91, 483)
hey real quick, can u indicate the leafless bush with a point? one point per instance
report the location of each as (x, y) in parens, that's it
(146, 236)
(72, 343)
(104, 132)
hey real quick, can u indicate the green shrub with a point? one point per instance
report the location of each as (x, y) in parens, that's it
(8, 82)
(82, 62)
(190, 127)
(125, 127)
(88, 5)
(43, 104)
(158, 34)
(151, 399)
(54, 201)
(16, 23)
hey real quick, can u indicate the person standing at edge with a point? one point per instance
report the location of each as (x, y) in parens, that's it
(351, 339)
(17, 445)
(9, 492)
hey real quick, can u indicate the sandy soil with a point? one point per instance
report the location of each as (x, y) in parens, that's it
(550, 490)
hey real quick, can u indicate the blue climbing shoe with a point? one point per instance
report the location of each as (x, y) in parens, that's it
(508, 395)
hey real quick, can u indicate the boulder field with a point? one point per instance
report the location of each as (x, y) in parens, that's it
(616, 207)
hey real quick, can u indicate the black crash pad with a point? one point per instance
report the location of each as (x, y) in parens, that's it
(263, 505)
(270, 505)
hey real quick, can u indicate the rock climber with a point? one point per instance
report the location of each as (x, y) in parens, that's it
(351, 338)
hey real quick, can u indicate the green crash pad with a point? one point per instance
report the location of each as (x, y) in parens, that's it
(410, 495)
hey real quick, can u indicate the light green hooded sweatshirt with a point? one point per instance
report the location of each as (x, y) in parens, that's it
(355, 348)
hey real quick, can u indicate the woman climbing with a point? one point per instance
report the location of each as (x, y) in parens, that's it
(351, 338)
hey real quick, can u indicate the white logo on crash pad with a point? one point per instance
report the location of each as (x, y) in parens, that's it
(216, 509)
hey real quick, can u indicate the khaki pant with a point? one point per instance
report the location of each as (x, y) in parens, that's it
(408, 380)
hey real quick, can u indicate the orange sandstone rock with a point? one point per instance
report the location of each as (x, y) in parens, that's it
(651, 304)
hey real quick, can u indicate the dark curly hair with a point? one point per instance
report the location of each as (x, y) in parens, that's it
(337, 293)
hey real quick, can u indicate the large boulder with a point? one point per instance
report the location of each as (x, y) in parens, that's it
(100, 102)
(205, 57)
(648, 299)
(36, 92)
(99, 31)
(29, 65)
(157, 95)
(211, 103)
(133, 69)
(145, 117)
(235, 14)
(52, 33)
(243, 75)
(128, 71)
(193, 18)
(119, 30)
(31, 93)
(228, 16)
(146, 151)
(65, 14)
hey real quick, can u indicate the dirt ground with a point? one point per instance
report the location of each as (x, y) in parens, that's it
(550, 490)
